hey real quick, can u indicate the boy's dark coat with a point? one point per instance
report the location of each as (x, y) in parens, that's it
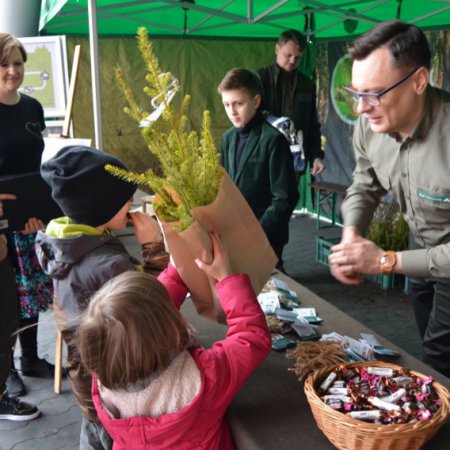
(265, 177)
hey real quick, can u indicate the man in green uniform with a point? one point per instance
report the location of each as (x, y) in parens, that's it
(402, 145)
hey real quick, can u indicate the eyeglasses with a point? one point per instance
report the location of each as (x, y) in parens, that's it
(374, 98)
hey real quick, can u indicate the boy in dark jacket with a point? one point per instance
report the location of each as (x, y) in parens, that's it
(257, 157)
(80, 253)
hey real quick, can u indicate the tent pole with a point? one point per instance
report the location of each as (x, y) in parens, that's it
(95, 73)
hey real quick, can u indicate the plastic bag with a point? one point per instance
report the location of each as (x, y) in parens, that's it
(295, 138)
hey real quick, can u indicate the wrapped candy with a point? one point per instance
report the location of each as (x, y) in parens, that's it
(380, 395)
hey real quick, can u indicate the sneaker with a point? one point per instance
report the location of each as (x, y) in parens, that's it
(15, 385)
(37, 367)
(14, 409)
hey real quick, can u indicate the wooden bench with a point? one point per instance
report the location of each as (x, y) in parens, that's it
(325, 191)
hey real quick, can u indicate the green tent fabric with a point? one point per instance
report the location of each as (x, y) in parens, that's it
(325, 19)
(199, 65)
(49, 9)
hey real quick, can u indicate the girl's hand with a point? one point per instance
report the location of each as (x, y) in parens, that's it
(146, 228)
(33, 225)
(220, 267)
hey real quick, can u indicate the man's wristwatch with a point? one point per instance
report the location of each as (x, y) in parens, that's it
(387, 262)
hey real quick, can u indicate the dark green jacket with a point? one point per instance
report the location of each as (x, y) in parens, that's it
(265, 177)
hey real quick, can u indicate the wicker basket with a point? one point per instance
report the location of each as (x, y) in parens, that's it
(347, 433)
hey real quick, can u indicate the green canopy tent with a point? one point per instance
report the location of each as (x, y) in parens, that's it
(239, 18)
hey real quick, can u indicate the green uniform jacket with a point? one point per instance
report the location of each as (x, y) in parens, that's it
(265, 177)
(416, 171)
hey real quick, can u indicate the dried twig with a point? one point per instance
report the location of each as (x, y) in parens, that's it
(310, 356)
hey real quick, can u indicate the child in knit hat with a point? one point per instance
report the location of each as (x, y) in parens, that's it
(80, 253)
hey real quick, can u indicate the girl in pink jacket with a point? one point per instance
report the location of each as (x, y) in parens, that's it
(152, 388)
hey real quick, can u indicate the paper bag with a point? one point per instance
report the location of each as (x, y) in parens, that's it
(247, 245)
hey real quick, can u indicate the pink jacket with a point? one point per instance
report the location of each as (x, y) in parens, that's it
(224, 370)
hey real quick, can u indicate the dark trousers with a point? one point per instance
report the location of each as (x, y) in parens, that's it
(278, 249)
(431, 303)
(28, 337)
(9, 318)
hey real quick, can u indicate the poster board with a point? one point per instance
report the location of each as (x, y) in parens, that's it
(46, 73)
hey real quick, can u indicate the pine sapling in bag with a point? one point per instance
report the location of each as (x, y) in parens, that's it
(194, 196)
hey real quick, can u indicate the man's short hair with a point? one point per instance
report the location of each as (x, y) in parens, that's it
(292, 35)
(239, 78)
(406, 43)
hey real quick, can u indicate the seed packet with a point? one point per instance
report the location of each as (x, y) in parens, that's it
(280, 343)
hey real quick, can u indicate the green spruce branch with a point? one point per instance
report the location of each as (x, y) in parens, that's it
(189, 163)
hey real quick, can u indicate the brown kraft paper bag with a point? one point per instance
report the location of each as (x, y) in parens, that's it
(247, 245)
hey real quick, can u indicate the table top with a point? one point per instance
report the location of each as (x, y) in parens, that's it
(271, 411)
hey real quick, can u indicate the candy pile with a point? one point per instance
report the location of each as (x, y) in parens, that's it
(380, 395)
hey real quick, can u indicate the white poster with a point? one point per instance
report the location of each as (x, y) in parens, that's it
(46, 74)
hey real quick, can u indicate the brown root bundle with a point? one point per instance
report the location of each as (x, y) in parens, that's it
(310, 356)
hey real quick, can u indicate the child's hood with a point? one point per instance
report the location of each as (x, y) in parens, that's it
(64, 227)
(64, 243)
(167, 430)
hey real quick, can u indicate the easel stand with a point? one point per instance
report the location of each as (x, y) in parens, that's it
(65, 134)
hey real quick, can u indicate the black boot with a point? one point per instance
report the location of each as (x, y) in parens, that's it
(31, 365)
(37, 367)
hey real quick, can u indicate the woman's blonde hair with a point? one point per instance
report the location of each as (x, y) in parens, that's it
(130, 330)
(8, 43)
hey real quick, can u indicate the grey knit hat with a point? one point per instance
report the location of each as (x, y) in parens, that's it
(82, 187)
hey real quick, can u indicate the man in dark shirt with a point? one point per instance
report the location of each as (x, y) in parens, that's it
(287, 92)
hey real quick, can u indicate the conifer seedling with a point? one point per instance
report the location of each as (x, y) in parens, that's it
(191, 172)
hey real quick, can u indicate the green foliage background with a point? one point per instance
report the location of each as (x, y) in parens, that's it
(388, 228)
